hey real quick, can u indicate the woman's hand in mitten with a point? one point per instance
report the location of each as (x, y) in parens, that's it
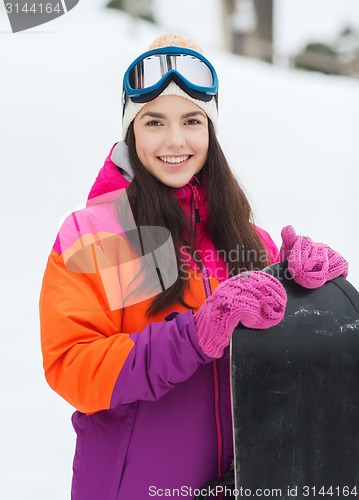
(254, 298)
(311, 264)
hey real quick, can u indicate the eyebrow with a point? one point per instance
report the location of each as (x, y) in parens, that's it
(153, 114)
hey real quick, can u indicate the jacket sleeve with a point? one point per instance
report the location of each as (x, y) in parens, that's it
(87, 359)
(165, 353)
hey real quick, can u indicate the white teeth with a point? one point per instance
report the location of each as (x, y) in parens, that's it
(174, 159)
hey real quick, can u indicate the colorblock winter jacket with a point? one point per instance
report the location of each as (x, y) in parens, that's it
(153, 411)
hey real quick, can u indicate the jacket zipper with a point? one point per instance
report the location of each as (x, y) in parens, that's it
(196, 198)
(195, 218)
(218, 418)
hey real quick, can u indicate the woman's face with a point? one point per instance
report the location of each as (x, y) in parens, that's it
(172, 139)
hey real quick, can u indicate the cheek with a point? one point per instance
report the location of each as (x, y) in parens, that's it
(141, 143)
(146, 143)
(202, 143)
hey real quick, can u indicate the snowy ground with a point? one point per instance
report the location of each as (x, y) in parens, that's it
(290, 137)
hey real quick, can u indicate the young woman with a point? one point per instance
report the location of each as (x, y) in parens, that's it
(144, 287)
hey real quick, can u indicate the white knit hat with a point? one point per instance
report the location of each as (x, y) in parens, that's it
(210, 108)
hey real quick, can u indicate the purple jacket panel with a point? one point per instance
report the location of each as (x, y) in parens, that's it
(116, 455)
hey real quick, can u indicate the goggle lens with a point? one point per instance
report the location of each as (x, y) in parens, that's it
(150, 70)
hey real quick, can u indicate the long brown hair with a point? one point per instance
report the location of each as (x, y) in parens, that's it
(229, 224)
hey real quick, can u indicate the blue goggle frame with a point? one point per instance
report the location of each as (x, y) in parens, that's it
(146, 94)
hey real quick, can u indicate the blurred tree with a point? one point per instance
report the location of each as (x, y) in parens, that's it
(227, 8)
(341, 57)
(138, 9)
(316, 56)
(248, 27)
(348, 31)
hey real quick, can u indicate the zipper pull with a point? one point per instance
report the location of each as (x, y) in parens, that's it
(196, 198)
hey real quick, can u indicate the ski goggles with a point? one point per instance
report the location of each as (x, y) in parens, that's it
(151, 72)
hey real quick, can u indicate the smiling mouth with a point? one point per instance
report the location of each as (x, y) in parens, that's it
(174, 160)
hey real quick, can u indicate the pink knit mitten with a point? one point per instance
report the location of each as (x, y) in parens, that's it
(255, 299)
(311, 264)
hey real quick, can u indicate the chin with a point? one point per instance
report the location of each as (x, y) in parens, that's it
(179, 182)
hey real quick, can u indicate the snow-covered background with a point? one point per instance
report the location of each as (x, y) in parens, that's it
(291, 137)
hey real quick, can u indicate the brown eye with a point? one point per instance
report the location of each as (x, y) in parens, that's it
(193, 121)
(153, 123)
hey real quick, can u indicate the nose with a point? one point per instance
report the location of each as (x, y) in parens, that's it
(175, 137)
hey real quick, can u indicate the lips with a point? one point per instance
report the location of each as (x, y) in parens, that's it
(174, 160)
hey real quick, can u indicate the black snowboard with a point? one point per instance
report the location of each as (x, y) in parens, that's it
(295, 391)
